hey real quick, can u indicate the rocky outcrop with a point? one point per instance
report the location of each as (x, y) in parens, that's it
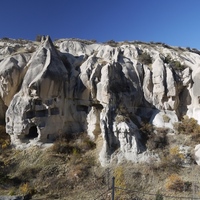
(107, 91)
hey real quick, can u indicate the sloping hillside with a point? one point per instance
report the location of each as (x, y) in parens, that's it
(73, 108)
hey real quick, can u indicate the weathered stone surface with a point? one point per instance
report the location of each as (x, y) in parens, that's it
(73, 86)
(197, 154)
(12, 198)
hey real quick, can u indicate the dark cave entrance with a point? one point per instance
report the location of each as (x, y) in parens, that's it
(32, 133)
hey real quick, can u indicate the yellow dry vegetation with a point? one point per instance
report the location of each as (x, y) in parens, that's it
(175, 182)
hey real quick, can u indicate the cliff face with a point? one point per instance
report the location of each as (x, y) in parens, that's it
(106, 90)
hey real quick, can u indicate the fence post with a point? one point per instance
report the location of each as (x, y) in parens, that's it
(108, 178)
(113, 188)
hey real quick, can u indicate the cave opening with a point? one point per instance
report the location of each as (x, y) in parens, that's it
(32, 132)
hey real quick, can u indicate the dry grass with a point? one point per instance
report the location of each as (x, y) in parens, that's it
(49, 175)
(52, 173)
(4, 138)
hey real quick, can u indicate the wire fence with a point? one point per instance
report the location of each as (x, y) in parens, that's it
(157, 195)
(113, 192)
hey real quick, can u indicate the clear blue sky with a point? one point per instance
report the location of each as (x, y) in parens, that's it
(174, 22)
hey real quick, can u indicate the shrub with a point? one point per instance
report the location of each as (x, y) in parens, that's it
(188, 48)
(167, 59)
(159, 196)
(4, 138)
(145, 58)
(24, 188)
(176, 156)
(38, 38)
(28, 173)
(157, 140)
(119, 180)
(146, 130)
(73, 144)
(175, 182)
(93, 41)
(27, 190)
(120, 118)
(172, 160)
(88, 143)
(176, 65)
(64, 147)
(112, 43)
(188, 126)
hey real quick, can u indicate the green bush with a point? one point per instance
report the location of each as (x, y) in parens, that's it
(145, 58)
(167, 59)
(176, 65)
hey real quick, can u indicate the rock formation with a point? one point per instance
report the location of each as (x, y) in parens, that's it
(106, 90)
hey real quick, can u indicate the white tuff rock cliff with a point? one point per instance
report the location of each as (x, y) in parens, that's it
(106, 90)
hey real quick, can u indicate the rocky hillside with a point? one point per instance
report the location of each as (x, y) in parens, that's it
(108, 90)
